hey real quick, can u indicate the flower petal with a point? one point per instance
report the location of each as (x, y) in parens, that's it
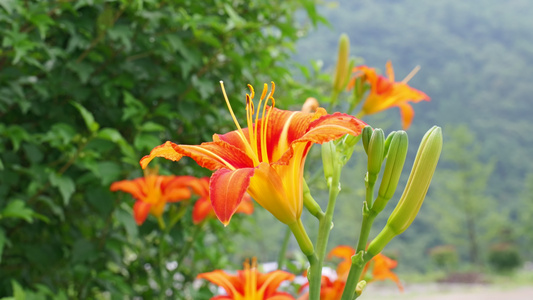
(346, 253)
(270, 282)
(224, 280)
(211, 155)
(324, 129)
(267, 189)
(246, 206)
(134, 187)
(226, 189)
(407, 112)
(201, 210)
(141, 210)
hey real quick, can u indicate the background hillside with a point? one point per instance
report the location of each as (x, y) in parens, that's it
(476, 59)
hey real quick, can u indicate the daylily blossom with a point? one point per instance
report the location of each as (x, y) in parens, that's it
(153, 191)
(250, 284)
(332, 289)
(203, 209)
(380, 265)
(266, 159)
(386, 93)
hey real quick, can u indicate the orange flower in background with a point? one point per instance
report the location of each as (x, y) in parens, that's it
(203, 208)
(266, 159)
(249, 284)
(329, 289)
(153, 191)
(380, 265)
(386, 93)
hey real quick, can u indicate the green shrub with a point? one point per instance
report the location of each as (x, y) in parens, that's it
(89, 87)
(445, 257)
(504, 257)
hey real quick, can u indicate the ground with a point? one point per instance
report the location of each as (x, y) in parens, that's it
(435, 291)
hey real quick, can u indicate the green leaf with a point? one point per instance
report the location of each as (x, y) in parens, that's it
(1, 165)
(87, 117)
(110, 134)
(17, 135)
(3, 240)
(9, 5)
(126, 219)
(108, 171)
(146, 141)
(64, 184)
(151, 126)
(18, 291)
(134, 109)
(17, 209)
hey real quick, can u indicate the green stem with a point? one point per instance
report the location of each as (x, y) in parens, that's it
(353, 277)
(366, 225)
(188, 243)
(357, 265)
(310, 203)
(162, 267)
(307, 248)
(324, 229)
(283, 250)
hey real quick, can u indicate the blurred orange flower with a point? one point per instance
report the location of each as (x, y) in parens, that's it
(153, 191)
(380, 265)
(203, 208)
(386, 93)
(249, 284)
(266, 159)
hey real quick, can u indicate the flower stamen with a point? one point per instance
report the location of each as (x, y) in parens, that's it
(241, 133)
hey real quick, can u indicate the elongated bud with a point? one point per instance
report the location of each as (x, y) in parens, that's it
(346, 146)
(329, 159)
(366, 135)
(415, 191)
(341, 72)
(360, 287)
(397, 152)
(387, 143)
(375, 154)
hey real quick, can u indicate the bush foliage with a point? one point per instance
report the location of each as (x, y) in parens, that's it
(86, 89)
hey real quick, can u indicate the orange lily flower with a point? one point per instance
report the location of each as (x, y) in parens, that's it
(203, 208)
(249, 284)
(153, 191)
(329, 289)
(386, 93)
(380, 264)
(266, 159)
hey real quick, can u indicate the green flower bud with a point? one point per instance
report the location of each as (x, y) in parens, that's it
(387, 143)
(393, 169)
(375, 154)
(346, 146)
(366, 135)
(360, 287)
(329, 159)
(415, 191)
(341, 72)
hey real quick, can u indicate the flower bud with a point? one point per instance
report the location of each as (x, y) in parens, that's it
(329, 159)
(310, 105)
(397, 152)
(415, 191)
(360, 287)
(341, 72)
(387, 143)
(346, 146)
(366, 135)
(375, 154)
